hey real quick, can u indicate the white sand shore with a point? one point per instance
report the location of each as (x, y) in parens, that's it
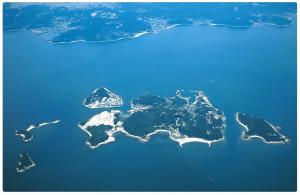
(257, 136)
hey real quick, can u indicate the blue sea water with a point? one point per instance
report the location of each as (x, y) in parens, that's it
(250, 70)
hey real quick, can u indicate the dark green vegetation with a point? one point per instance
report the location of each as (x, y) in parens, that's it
(261, 128)
(25, 162)
(98, 134)
(148, 100)
(113, 21)
(102, 98)
(191, 116)
(97, 95)
(25, 134)
(193, 119)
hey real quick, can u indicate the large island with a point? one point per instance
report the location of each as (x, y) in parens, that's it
(190, 118)
(63, 22)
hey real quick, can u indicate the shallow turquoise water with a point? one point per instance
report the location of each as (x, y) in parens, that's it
(248, 70)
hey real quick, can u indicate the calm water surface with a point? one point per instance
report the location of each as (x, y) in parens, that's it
(248, 70)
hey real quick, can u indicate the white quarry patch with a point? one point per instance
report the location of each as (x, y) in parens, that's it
(104, 118)
(104, 102)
